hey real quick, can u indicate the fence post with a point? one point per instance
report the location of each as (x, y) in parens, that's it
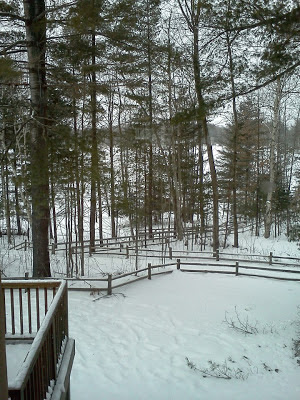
(178, 263)
(236, 268)
(109, 286)
(53, 248)
(3, 367)
(170, 253)
(149, 270)
(217, 255)
(25, 245)
(270, 258)
(127, 251)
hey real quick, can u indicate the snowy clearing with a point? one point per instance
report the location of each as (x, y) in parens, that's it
(134, 344)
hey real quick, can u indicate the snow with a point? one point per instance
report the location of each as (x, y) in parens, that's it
(15, 356)
(134, 344)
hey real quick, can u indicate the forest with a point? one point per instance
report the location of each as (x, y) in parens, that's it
(158, 113)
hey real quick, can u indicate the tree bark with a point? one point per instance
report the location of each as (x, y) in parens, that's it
(35, 22)
(203, 120)
(235, 134)
(271, 183)
(94, 149)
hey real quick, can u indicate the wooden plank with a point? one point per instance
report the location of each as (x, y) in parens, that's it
(271, 277)
(37, 302)
(243, 266)
(93, 289)
(21, 312)
(46, 300)
(129, 282)
(208, 271)
(129, 273)
(12, 311)
(30, 284)
(140, 278)
(29, 311)
(63, 379)
(290, 271)
(208, 264)
(4, 306)
(86, 279)
(162, 273)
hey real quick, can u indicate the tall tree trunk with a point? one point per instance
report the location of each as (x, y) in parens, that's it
(94, 149)
(271, 183)
(257, 207)
(5, 199)
(175, 163)
(235, 134)
(192, 13)
(149, 210)
(112, 172)
(203, 120)
(35, 22)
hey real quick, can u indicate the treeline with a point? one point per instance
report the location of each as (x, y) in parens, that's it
(106, 108)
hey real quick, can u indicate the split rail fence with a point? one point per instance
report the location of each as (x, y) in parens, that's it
(237, 268)
(110, 279)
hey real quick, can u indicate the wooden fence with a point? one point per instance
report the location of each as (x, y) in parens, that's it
(236, 269)
(109, 280)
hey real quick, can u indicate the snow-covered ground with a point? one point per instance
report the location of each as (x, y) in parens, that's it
(135, 344)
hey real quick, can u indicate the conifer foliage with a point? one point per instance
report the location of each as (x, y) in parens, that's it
(107, 109)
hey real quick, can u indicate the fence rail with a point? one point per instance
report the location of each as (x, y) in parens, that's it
(236, 270)
(110, 278)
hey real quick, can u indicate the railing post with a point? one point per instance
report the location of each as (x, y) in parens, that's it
(149, 270)
(127, 251)
(270, 258)
(217, 255)
(170, 253)
(54, 355)
(3, 367)
(53, 248)
(109, 284)
(236, 268)
(25, 245)
(178, 263)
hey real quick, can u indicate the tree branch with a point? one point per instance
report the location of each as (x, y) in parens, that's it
(12, 16)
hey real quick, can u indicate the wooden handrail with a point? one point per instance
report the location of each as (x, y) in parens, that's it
(30, 284)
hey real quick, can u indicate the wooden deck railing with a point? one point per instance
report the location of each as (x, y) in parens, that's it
(50, 314)
(26, 304)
